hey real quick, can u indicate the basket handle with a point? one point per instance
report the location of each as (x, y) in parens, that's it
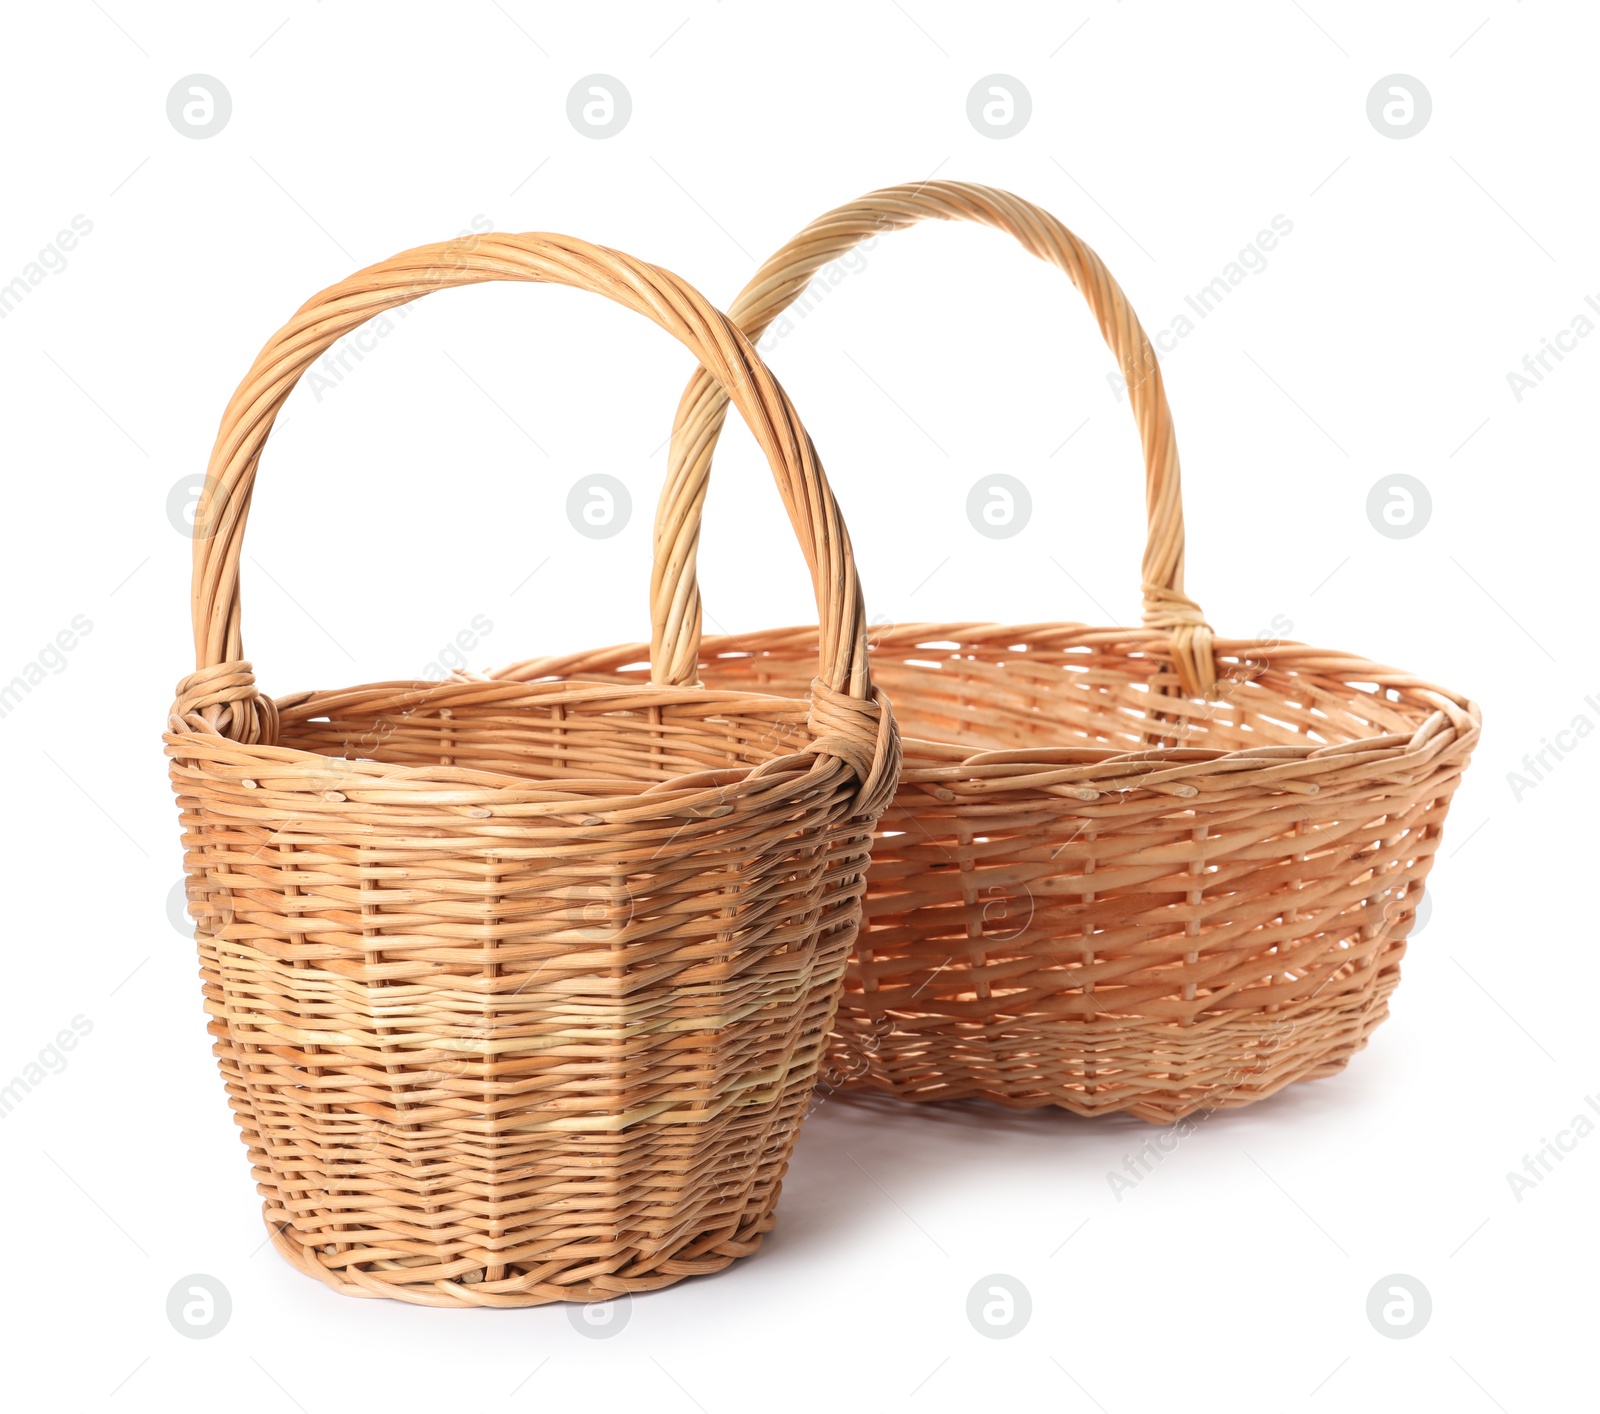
(676, 595)
(847, 715)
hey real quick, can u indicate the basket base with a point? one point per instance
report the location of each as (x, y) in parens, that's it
(348, 1274)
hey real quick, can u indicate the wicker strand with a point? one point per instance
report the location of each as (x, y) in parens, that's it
(224, 698)
(841, 724)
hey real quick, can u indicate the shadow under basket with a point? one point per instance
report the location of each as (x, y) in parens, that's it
(1091, 891)
(497, 1032)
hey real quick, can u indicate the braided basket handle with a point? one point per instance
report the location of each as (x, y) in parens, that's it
(675, 595)
(847, 714)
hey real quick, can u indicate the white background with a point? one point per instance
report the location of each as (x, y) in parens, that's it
(425, 487)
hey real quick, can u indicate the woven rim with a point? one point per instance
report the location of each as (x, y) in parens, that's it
(1087, 772)
(847, 717)
(784, 277)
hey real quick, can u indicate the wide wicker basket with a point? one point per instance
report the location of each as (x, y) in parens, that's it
(520, 991)
(1138, 870)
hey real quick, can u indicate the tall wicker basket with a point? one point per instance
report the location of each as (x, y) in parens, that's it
(1139, 870)
(520, 991)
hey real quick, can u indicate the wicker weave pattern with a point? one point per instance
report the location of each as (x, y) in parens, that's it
(520, 991)
(1103, 926)
(1126, 869)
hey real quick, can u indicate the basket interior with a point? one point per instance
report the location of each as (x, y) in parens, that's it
(980, 911)
(1094, 688)
(546, 732)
